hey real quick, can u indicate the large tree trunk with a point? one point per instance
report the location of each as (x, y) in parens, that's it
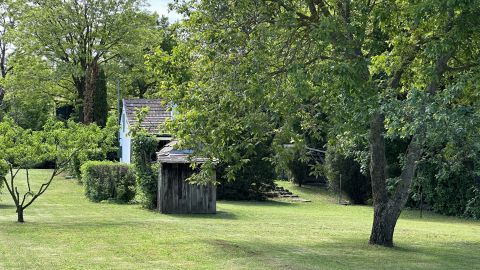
(384, 221)
(2, 95)
(387, 208)
(382, 229)
(90, 89)
(20, 214)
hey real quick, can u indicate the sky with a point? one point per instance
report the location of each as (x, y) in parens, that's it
(161, 7)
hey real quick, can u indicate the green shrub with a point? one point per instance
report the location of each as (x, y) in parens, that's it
(107, 141)
(355, 184)
(252, 181)
(473, 205)
(302, 172)
(104, 180)
(144, 147)
(447, 190)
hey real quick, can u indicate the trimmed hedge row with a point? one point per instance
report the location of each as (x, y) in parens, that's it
(104, 180)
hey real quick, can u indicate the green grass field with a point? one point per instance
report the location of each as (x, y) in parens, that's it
(63, 230)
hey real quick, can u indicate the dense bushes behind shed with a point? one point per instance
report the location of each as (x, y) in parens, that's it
(252, 181)
(355, 184)
(105, 180)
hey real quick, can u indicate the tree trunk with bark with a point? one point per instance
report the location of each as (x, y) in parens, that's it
(20, 214)
(387, 207)
(89, 95)
(2, 95)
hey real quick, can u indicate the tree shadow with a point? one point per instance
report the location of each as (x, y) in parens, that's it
(269, 202)
(7, 206)
(346, 253)
(429, 216)
(217, 215)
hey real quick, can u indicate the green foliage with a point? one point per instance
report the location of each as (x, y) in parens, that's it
(103, 141)
(301, 168)
(252, 181)
(447, 190)
(85, 35)
(400, 70)
(105, 180)
(22, 149)
(473, 205)
(100, 102)
(121, 237)
(28, 99)
(144, 147)
(354, 182)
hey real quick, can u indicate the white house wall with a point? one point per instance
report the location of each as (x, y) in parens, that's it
(125, 139)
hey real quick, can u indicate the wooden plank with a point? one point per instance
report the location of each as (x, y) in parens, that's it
(178, 196)
(159, 189)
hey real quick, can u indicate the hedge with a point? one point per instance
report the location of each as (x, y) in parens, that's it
(354, 184)
(105, 180)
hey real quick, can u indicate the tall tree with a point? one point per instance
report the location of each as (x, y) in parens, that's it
(376, 69)
(8, 17)
(79, 36)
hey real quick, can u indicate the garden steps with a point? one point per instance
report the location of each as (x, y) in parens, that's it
(281, 192)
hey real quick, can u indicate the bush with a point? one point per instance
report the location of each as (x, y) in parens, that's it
(473, 205)
(355, 184)
(146, 170)
(448, 190)
(303, 172)
(107, 140)
(104, 180)
(251, 182)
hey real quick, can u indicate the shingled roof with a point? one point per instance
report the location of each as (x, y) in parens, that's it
(157, 113)
(169, 154)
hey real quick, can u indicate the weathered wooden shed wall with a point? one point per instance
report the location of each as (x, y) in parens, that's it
(179, 197)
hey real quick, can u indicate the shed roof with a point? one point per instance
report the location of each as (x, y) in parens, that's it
(169, 154)
(157, 113)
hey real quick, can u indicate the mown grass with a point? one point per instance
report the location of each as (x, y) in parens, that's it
(63, 230)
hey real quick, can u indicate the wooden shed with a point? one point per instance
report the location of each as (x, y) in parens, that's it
(175, 195)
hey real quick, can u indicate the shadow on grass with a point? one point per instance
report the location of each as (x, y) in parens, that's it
(7, 206)
(429, 216)
(218, 215)
(350, 254)
(260, 203)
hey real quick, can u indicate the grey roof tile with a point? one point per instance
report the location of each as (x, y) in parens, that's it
(156, 115)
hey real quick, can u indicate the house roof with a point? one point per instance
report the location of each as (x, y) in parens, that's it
(169, 154)
(157, 113)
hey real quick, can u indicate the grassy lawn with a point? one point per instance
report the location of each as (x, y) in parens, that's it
(63, 230)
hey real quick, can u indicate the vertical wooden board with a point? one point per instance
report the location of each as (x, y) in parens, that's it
(171, 185)
(205, 199)
(185, 188)
(199, 198)
(186, 193)
(193, 199)
(214, 199)
(164, 188)
(178, 196)
(174, 188)
(159, 188)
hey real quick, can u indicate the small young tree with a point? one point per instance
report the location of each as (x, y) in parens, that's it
(21, 149)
